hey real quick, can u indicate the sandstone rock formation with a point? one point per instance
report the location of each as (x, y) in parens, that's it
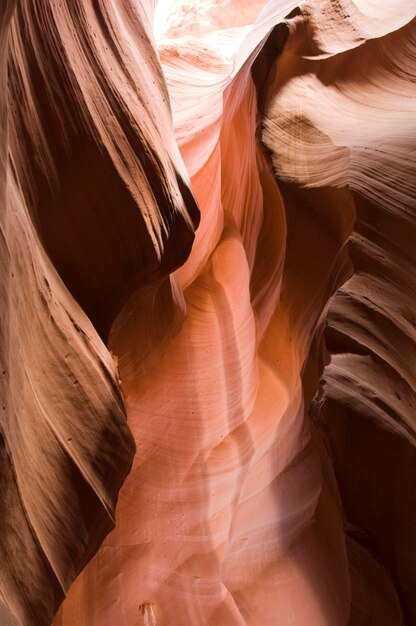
(219, 195)
(89, 195)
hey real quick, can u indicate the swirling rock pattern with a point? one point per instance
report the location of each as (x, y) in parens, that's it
(366, 142)
(266, 373)
(69, 146)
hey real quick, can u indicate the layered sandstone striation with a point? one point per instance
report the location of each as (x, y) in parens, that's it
(90, 198)
(208, 228)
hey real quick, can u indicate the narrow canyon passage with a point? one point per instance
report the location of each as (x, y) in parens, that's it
(210, 210)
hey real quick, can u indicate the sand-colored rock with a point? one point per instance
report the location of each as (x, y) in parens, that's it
(266, 373)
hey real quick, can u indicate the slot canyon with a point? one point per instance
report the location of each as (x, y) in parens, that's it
(208, 313)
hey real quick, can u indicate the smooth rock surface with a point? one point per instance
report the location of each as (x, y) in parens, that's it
(265, 361)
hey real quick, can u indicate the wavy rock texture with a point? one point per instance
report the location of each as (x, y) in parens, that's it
(267, 379)
(366, 141)
(88, 199)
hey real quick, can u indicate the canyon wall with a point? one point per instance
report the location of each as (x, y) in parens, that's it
(208, 241)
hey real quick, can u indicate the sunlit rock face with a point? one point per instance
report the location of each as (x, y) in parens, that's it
(208, 228)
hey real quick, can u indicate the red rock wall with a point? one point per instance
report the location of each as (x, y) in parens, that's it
(265, 365)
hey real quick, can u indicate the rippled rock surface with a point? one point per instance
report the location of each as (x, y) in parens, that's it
(208, 241)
